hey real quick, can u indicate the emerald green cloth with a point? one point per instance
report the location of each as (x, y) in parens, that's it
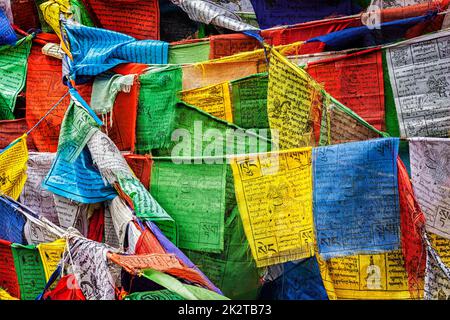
(30, 271)
(250, 101)
(77, 128)
(13, 70)
(156, 110)
(194, 196)
(186, 291)
(189, 53)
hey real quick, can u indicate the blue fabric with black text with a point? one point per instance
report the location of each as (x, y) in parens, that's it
(7, 34)
(79, 181)
(96, 50)
(299, 281)
(356, 203)
(12, 222)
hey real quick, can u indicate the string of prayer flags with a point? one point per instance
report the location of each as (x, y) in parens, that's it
(138, 19)
(13, 68)
(274, 196)
(356, 208)
(12, 222)
(418, 71)
(292, 103)
(200, 221)
(13, 167)
(430, 177)
(285, 12)
(157, 100)
(30, 271)
(356, 80)
(97, 50)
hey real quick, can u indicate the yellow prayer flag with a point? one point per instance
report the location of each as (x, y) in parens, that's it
(442, 247)
(293, 101)
(366, 276)
(13, 167)
(51, 11)
(4, 295)
(274, 196)
(51, 253)
(213, 99)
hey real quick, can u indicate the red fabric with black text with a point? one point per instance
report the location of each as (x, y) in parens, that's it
(66, 289)
(8, 276)
(229, 44)
(141, 166)
(10, 130)
(412, 224)
(357, 81)
(136, 18)
(44, 88)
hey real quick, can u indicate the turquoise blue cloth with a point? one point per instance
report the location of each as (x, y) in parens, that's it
(79, 181)
(356, 204)
(96, 50)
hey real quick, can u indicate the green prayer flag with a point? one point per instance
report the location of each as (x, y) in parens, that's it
(77, 128)
(154, 295)
(233, 271)
(249, 96)
(80, 13)
(186, 291)
(194, 196)
(29, 269)
(156, 110)
(200, 137)
(147, 208)
(13, 70)
(189, 53)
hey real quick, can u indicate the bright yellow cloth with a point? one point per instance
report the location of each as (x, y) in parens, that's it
(13, 167)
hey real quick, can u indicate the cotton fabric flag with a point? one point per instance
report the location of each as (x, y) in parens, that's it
(13, 69)
(274, 196)
(13, 167)
(356, 208)
(97, 50)
(12, 222)
(8, 275)
(7, 35)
